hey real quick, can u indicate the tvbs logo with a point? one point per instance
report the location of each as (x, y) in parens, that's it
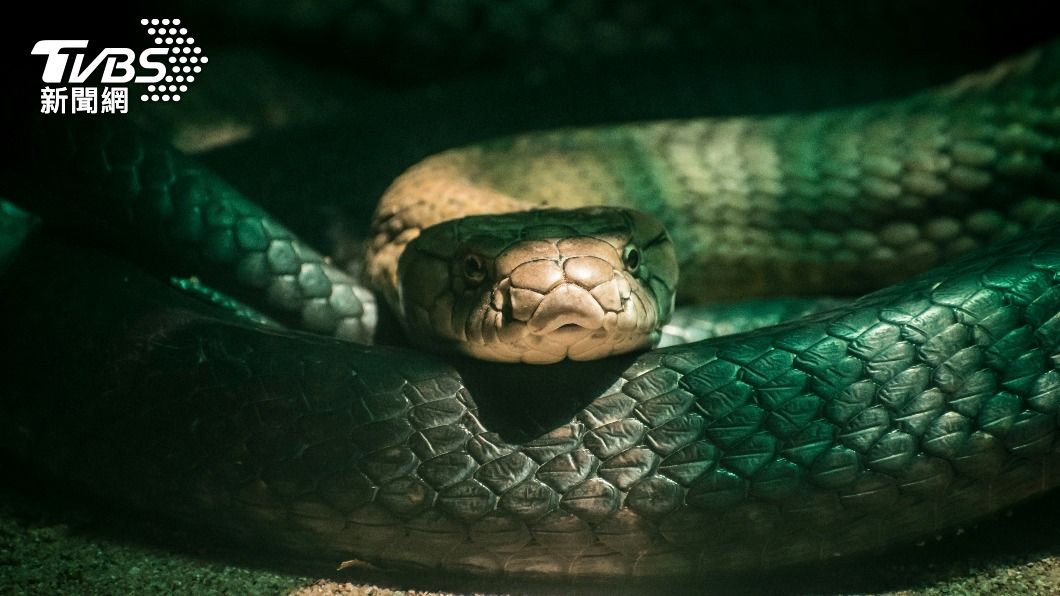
(167, 68)
(118, 63)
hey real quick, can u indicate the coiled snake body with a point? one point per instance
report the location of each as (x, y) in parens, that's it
(913, 409)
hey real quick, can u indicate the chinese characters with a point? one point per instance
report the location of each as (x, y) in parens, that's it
(84, 100)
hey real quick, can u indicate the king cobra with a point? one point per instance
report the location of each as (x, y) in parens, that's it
(914, 409)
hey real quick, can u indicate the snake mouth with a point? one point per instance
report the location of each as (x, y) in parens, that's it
(570, 332)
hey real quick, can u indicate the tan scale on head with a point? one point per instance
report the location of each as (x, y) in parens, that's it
(539, 286)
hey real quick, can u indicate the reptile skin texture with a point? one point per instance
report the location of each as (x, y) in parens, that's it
(159, 198)
(909, 411)
(915, 409)
(836, 201)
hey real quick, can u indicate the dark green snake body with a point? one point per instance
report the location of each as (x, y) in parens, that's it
(914, 409)
(920, 408)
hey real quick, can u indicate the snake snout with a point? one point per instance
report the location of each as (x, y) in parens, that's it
(568, 308)
(567, 297)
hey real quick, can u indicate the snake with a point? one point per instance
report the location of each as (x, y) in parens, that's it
(911, 410)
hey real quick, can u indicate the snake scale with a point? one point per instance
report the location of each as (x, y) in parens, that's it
(914, 409)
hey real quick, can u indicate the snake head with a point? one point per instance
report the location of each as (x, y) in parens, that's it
(539, 286)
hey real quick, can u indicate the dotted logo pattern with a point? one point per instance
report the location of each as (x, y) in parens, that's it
(185, 59)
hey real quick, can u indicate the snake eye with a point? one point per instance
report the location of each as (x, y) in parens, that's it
(474, 268)
(632, 258)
